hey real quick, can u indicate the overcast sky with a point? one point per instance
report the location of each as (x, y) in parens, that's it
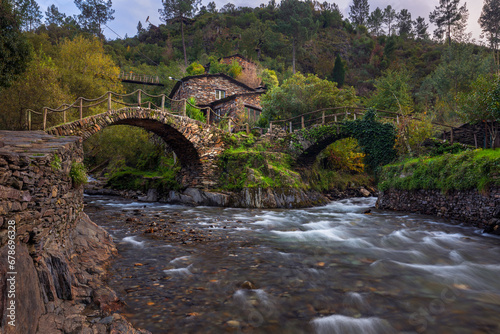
(129, 12)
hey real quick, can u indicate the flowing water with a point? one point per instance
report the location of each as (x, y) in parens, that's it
(329, 269)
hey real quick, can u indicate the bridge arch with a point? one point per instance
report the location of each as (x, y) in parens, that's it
(196, 144)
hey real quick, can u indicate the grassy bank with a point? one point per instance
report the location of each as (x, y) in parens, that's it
(475, 169)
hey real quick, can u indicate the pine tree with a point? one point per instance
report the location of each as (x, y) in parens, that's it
(490, 22)
(179, 9)
(359, 11)
(375, 22)
(405, 24)
(389, 19)
(445, 16)
(338, 74)
(421, 28)
(94, 14)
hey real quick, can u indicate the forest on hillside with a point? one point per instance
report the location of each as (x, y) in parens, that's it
(374, 57)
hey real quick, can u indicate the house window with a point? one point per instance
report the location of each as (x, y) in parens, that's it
(220, 94)
(218, 112)
(252, 115)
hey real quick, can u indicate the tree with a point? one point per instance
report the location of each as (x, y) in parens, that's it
(300, 94)
(405, 24)
(295, 21)
(195, 69)
(392, 92)
(482, 104)
(490, 24)
(179, 10)
(15, 51)
(359, 11)
(338, 74)
(421, 28)
(40, 87)
(269, 79)
(389, 19)
(94, 14)
(445, 16)
(30, 13)
(54, 16)
(375, 22)
(86, 69)
(212, 7)
(458, 68)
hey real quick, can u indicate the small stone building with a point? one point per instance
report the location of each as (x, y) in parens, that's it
(223, 94)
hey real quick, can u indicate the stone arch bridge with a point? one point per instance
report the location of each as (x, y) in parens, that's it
(196, 144)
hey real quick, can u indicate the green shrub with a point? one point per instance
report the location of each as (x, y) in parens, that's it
(476, 169)
(78, 173)
(56, 163)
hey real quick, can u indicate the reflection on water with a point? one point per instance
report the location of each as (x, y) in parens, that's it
(330, 269)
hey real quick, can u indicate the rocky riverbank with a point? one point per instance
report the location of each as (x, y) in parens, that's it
(247, 198)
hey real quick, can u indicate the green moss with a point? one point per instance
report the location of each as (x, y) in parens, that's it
(257, 169)
(134, 179)
(476, 169)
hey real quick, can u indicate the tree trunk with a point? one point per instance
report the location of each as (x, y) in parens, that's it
(293, 55)
(183, 41)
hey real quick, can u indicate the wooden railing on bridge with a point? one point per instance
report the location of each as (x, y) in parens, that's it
(111, 99)
(84, 105)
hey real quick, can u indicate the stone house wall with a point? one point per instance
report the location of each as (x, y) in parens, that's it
(203, 88)
(249, 70)
(238, 106)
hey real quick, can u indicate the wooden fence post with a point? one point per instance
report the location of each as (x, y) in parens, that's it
(139, 102)
(397, 119)
(81, 108)
(208, 115)
(149, 104)
(248, 128)
(64, 116)
(184, 106)
(44, 118)
(229, 126)
(109, 101)
(271, 127)
(475, 139)
(290, 127)
(302, 121)
(162, 102)
(451, 136)
(354, 115)
(323, 118)
(29, 120)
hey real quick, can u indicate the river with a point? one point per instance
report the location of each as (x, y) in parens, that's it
(329, 269)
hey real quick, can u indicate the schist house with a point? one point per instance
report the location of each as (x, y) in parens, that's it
(223, 94)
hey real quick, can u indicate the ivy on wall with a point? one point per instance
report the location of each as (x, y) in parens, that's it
(376, 139)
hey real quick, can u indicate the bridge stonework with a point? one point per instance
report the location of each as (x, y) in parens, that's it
(196, 144)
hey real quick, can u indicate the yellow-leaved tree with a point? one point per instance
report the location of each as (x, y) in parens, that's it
(36, 88)
(86, 70)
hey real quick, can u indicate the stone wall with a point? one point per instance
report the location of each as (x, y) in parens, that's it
(203, 88)
(248, 70)
(60, 255)
(471, 206)
(235, 106)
